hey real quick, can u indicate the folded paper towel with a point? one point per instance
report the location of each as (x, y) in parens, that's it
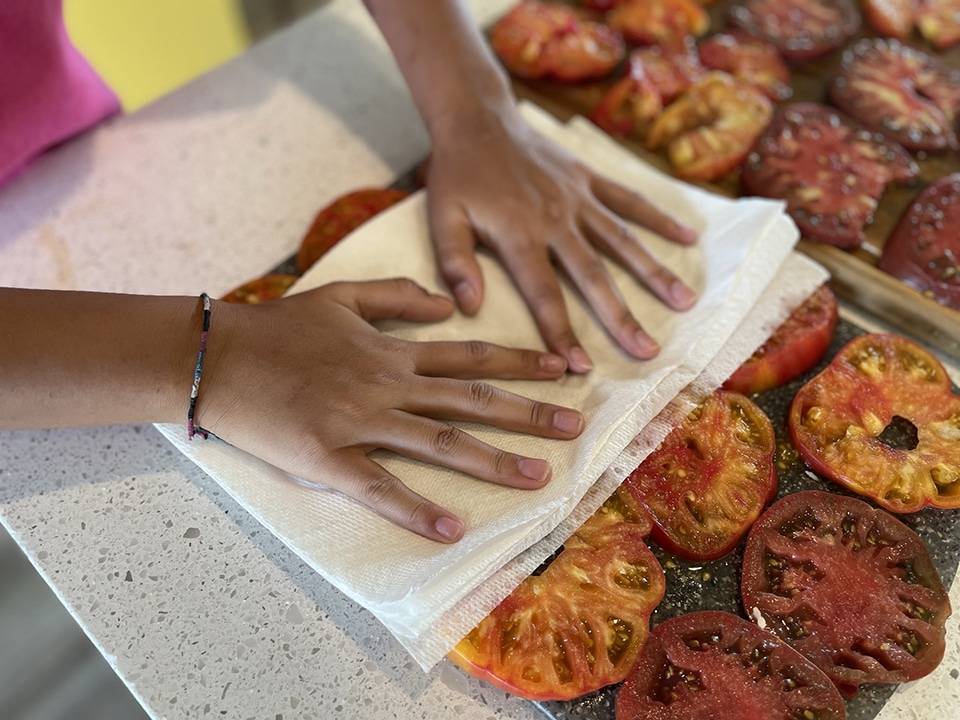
(429, 595)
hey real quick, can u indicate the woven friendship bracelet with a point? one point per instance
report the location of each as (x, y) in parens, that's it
(198, 372)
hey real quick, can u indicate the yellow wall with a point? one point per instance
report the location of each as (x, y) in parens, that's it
(146, 48)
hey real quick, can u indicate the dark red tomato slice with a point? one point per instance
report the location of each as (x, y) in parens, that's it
(890, 18)
(924, 249)
(658, 22)
(847, 585)
(802, 30)
(830, 171)
(756, 61)
(581, 624)
(939, 22)
(900, 91)
(709, 479)
(793, 348)
(342, 217)
(712, 664)
(549, 41)
(269, 287)
(844, 422)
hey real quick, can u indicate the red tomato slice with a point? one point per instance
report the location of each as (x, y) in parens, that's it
(342, 217)
(581, 624)
(839, 423)
(939, 22)
(924, 249)
(793, 348)
(712, 664)
(658, 22)
(802, 30)
(900, 91)
(709, 479)
(830, 171)
(269, 287)
(750, 59)
(890, 18)
(847, 585)
(549, 41)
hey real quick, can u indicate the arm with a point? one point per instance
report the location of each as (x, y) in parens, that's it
(494, 181)
(306, 383)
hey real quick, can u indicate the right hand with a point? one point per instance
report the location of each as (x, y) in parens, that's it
(309, 385)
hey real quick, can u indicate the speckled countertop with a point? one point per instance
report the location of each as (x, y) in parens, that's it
(201, 611)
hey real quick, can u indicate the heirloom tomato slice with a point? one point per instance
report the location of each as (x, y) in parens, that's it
(890, 18)
(342, 217)
(711, 664)
(579, 625)
(268, 287)
(802, 30)
(710, 478)
(748, 58)
(905, 93)
(839, 423)
(658, 22)
(549, 41)
(830, 171)
(793, 348)
(924, 249)
(847, 585)
(939, 22)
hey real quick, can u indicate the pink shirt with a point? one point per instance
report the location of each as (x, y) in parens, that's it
(48, 92)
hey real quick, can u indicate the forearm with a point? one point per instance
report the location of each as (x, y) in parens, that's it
(74, 358)
(444, 59)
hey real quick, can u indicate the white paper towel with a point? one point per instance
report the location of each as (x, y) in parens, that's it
(429, 595)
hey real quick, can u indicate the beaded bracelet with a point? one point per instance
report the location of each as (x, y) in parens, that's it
(198, 371)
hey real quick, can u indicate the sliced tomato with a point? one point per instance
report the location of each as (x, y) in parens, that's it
(890, 18)
(658, 22)
(342, 217)
(843, 422)
(709, 479)
(751, 59)
(847, 585)
(831, 171)
(709, 129)
(924, 249)
(939, 22)
(549, 41)
(793, 348)
(903, 92)
(802, 30)
(268, 287)
(712, 664)
(581, 624)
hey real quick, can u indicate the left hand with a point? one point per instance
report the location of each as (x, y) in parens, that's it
(494, 181)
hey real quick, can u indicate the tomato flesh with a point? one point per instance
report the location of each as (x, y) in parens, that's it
(793, 348)
(581, 624)
(890, 18)
(658, 22)
(849, 586)
(712, 664)
(268, 287)
(939, 22)
(751, 59)
(838, 418)
(710, 478)
(924, 249)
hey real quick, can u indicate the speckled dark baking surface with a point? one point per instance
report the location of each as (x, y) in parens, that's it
(715, 585)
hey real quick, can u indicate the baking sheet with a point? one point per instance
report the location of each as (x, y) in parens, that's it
(715, 585)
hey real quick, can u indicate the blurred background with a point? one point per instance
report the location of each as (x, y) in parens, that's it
(49, 669)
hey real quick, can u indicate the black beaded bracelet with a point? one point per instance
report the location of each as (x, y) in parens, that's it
(198, 372)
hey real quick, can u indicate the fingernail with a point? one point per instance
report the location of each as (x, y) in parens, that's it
(687, 234)
(552, 364)
(646, 345)
(683, 296)
(568, 421)
(538, 470)
(449, 527)
(579, 360)
(466, 295)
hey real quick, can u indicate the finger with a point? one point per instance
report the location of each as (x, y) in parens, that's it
(476, 401)
(394, 298)
(619, 241)
(369, 483)
(437, 443)
(536, 279)
(455, 243)
(633, 206)
(476, 359)
(585, 268)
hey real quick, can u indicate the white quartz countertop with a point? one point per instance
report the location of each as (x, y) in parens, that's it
(201, 611)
